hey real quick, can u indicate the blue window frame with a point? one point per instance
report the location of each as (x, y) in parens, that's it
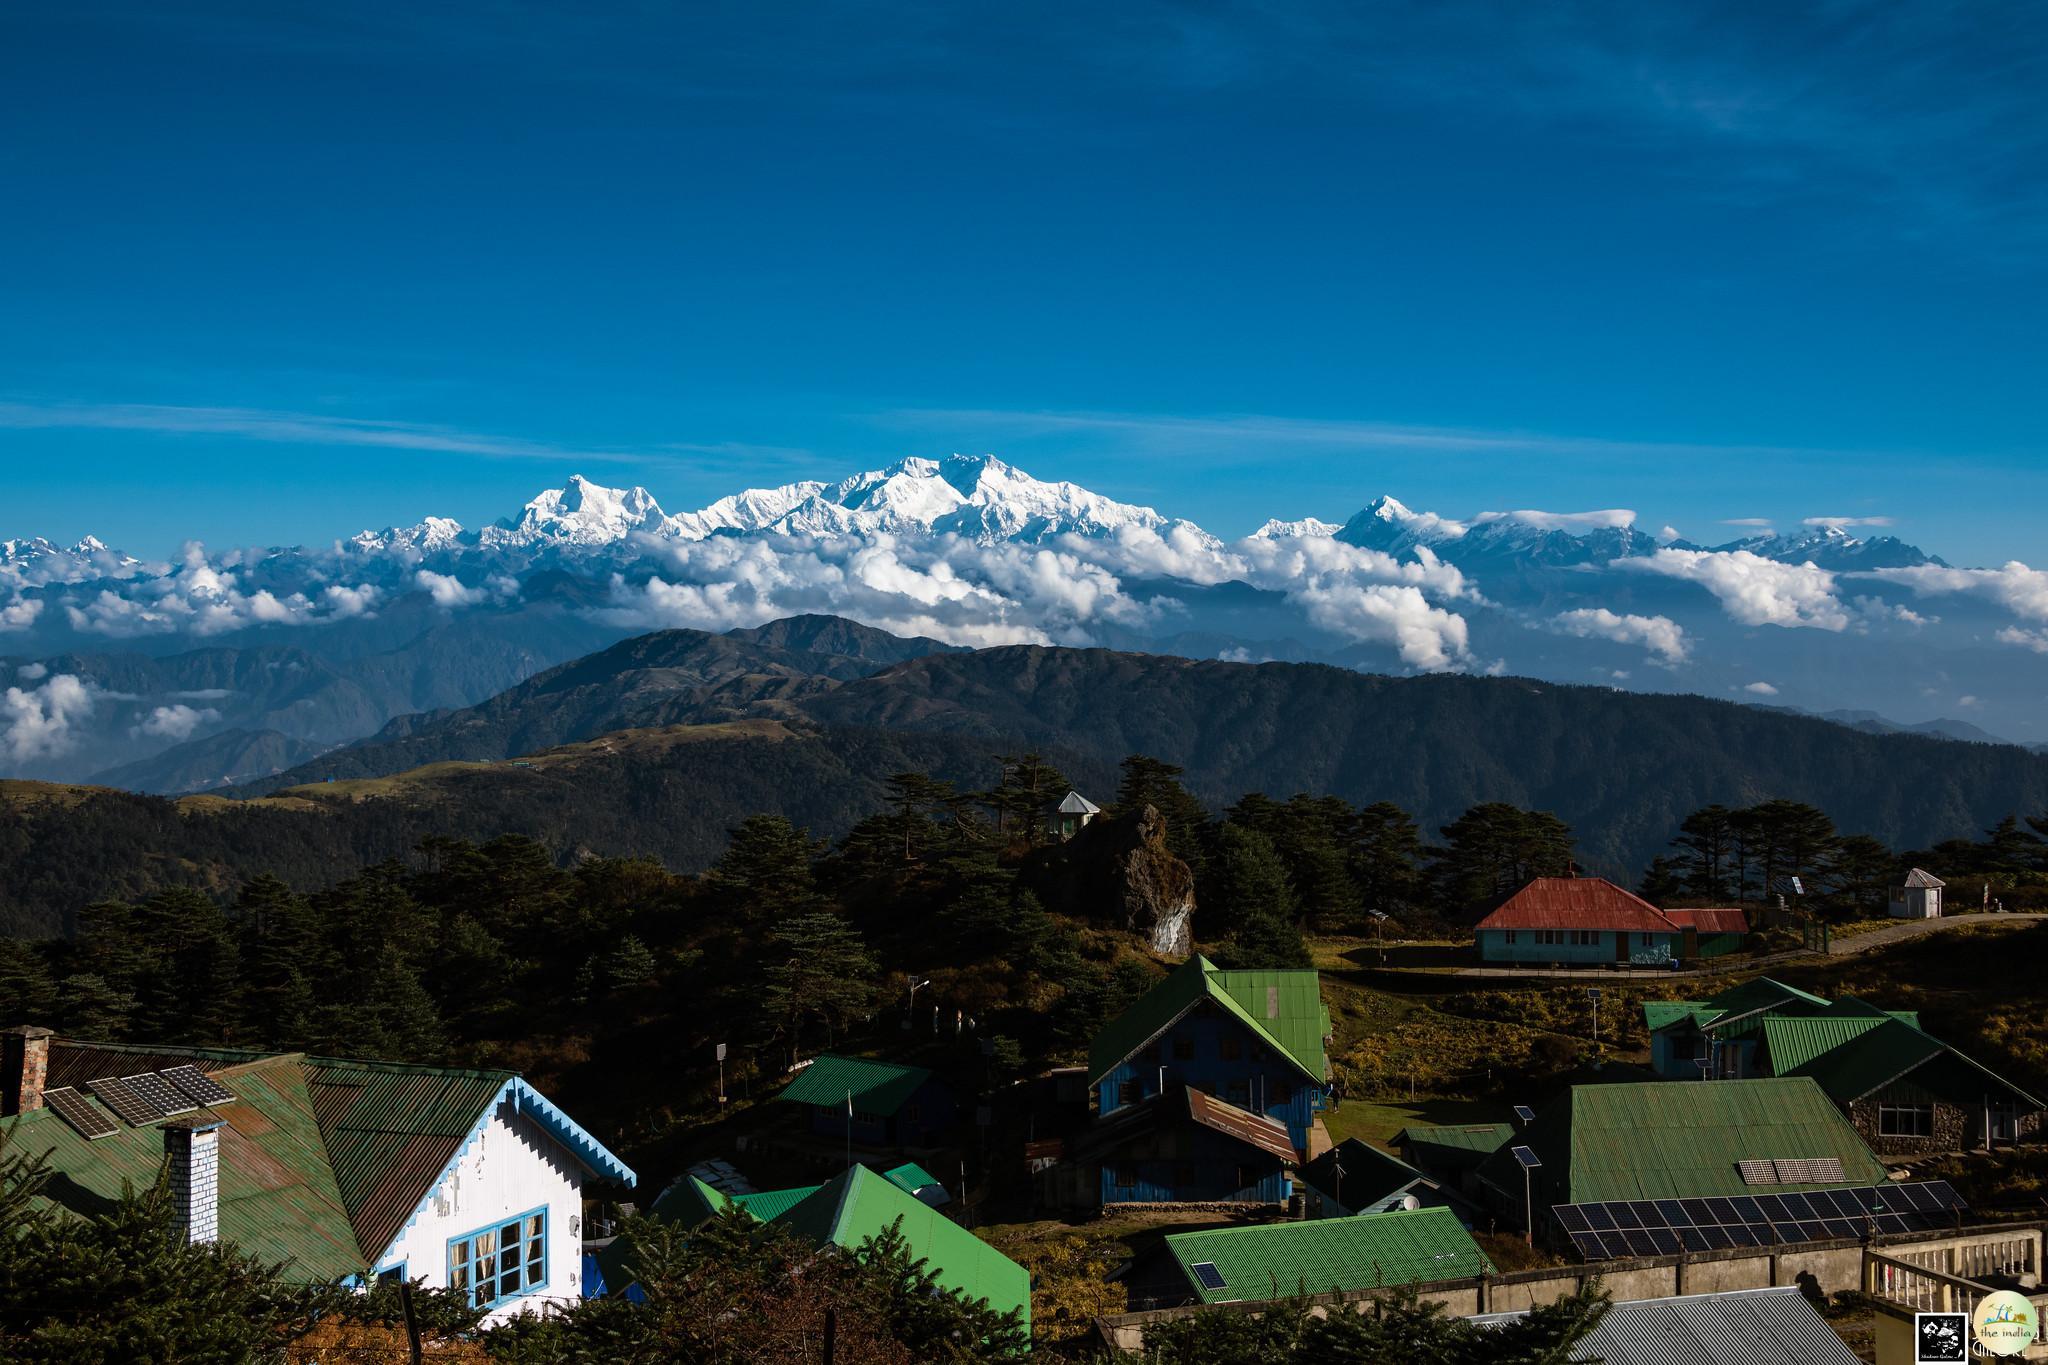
(505, 1260)
(392, 1274)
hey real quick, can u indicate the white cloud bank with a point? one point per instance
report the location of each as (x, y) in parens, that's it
(1761, 689)
(1754, 590)
(36, 722)
(1660, 635)
(2021, 590)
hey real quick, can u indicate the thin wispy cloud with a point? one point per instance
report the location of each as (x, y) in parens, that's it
(1841, 523)
(1245, 434)
(294, 428)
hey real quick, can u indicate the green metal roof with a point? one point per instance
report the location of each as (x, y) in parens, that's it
(859, 1204)
(1887, 1050)
(1467, 1140)
(1283, 1007)
(1681, 1139)
(1664, 1013)
(688, 1201)
(876, 1087)
(769, 1205)
(911, 1177)
(278, 1198)
(1764, 993)
(1791, 1043)
(1330, 1254)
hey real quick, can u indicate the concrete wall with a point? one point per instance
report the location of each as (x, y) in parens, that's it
(1835, 1266)
(509, 1167)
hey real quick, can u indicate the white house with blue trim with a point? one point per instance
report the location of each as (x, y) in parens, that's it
(343, 1170)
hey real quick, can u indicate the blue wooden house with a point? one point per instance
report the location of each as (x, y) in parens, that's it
(1254, 1040)
(875, 1104)
(1184, 1146)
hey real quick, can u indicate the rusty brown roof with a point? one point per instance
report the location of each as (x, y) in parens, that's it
(1577, 903)
(1710, 921)
(1181, 1104)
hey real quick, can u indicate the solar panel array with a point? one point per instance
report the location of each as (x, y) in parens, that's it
(201, 1088)
(1804, 1170)
(1208, 1275)
(150, 1096)
(1665, 1227)
(78, 1111)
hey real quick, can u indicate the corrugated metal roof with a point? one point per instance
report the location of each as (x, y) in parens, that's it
(278, 1198)
(1879, 1055)
(1577, 903)
(1746, 1327)
(1283, 1007)
(391, 1130)
(876, 1087)
(1180, 1104)
(1792, 1042)
(1073, 803)
(1680, 1139)
(1710, 921)
(1919, 879)
(385, 1130)
(1330, 1255)
(1664, 1013)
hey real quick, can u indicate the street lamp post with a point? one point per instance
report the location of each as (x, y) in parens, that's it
(915, 984)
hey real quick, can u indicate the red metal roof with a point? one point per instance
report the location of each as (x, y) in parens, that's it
(1710, 921)
(1577, 903)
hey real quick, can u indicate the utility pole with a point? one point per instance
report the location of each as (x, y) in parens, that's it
(915, 985)
(721, 1074)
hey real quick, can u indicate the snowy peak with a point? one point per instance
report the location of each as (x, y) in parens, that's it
(1310, 527)
(1830, 546)
(1386, 524)
(581, 513)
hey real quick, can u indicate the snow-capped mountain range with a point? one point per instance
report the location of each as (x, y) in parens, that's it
(972, 550)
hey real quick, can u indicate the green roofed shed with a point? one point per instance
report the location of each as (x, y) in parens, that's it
(1285, 1008)
(855, 1206)
(876, 1087)
(1369, 1251)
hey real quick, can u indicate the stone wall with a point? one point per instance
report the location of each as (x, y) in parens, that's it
(1952, 1124)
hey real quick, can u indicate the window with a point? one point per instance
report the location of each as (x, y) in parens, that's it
(1152, 1054)
(1237, 1093)
(392, 1274)
(863, 1116)
(912, 1114)
(1233, 1049)
(1648, 940)
(1245, 1178)
(1279, 1095)
(1125, 1176)
(1126, 1092)
(1511, 936)
(1905, 1120)
(1183, 1049)
(501, 1262)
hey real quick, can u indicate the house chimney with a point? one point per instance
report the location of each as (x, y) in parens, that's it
(193, 1150)
(24, 1067)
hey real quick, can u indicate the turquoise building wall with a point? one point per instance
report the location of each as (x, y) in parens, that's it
(1643, 949)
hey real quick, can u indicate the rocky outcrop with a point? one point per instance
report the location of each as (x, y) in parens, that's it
(1119, 871)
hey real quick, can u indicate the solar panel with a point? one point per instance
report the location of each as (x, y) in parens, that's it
(1641, 1227)
(1819, 1170)
(1207, 1275)
(1758, 1172)
(160, 1092)
(76, 1110)
(1527, 1156)
(1525, 1114)
(133, 1108)
(201, 1088)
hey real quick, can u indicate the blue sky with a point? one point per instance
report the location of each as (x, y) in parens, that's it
(273, 271)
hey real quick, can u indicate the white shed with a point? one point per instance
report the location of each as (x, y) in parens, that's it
(1074, 812)
(1919, 898)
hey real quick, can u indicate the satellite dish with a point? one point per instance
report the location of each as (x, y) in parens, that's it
(1408, 1203)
